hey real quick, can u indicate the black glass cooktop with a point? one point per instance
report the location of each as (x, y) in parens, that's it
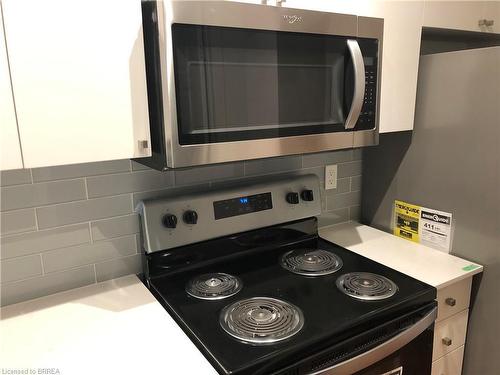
(329, 316)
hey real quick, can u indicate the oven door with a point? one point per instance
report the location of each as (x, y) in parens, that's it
(244, 81)
(407, 353)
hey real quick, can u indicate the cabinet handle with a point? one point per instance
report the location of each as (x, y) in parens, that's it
(450, 301)
(446, 341)
(143, 144)
(486, 23)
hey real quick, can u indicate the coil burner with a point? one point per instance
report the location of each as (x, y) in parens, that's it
(311, 262)
(261, 320)
(366, 286)
(214, 286)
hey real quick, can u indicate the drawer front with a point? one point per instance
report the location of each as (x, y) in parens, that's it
(449, 334)
(450, 364)
(453, 299)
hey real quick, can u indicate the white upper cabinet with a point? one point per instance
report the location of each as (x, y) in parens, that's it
(463, 15)
(78, 77)
(10, 149)
(401, 49)
(401, 53)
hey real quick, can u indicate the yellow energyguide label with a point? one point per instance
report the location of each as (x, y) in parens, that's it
(406, 220)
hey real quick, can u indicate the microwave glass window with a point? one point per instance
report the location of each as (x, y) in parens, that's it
(237, 84)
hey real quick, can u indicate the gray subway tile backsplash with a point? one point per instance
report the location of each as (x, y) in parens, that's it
(170, 192)
(118, 267)
(357, 154)
(343, 200)
(272, 165)
(77, 212)
(45, 193)
(15, 177)
(74, 256)
(80, 170)
(35, 287)
(326, 158)
(355, 183)
(334, 217)
(44, 240)
(20, 268)
(114, 227)
(122, 183)
(354, 213)
(349, 169)
(208, 173)
(55, 237)
(17, 221)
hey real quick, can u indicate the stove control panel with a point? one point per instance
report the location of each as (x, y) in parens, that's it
(176, 221)
(242, 205)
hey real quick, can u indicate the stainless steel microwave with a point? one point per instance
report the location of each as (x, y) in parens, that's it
(231, 81)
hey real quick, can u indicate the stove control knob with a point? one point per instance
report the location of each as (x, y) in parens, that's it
(307, 195)
(169, 221)
(292, 198)
(190, 217)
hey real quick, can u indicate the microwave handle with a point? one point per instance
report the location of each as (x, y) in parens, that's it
(380, 352)
(359, 83)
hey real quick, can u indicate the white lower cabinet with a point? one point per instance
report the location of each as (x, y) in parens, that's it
(453, 299)
(449, 334)
(78, 77)
(450, 329)
(450, 364)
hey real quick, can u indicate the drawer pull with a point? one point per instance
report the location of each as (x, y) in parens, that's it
(447, 341)
(450, 301)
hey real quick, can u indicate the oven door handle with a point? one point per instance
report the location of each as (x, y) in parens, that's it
(359, 83)
(380, 352)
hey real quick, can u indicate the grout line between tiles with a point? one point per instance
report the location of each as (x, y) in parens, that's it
(90, 233)
(95, 273)
(86, 187)
(41, 263)
(36, 219)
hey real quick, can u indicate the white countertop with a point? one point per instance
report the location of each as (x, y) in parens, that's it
(118, 327)
(431, 266)
(114, 327)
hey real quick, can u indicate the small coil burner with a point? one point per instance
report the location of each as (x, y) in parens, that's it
(261, 320)
(311, 262)
(366, 286)
(213, 286)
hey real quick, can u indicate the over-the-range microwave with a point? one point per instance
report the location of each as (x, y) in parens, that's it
(232, 81)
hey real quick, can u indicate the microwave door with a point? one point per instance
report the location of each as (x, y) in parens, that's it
(235, 84)
(358, 84)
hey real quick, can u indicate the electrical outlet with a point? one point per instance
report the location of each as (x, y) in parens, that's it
(330, 176)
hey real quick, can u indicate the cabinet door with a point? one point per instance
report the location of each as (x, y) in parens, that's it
(78, 78)
(459, 15)
(10, 149)
(401, 50)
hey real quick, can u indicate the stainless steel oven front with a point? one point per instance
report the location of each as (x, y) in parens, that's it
(231, 81)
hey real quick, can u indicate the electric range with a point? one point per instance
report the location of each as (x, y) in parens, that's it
(246, 276)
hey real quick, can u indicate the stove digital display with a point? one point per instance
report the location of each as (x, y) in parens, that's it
(242, 205)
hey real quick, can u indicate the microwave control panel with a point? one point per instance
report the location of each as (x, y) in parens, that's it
(367, 117)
